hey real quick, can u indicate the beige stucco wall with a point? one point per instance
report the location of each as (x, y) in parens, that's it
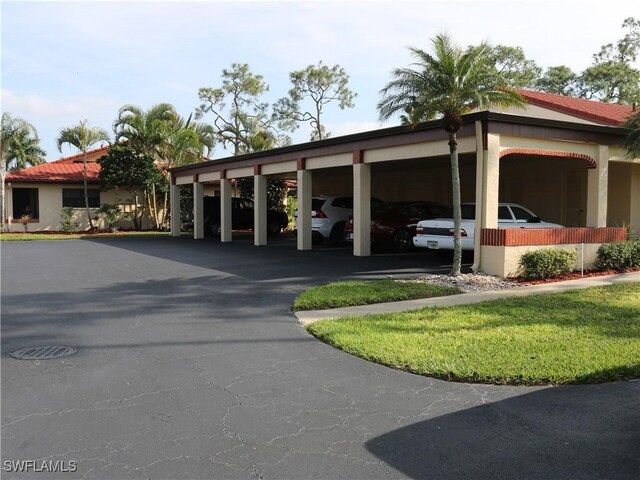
(624, 196)
(50, 207)
(503, 261)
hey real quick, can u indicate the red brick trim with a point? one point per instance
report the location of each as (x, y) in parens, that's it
(257, 169)
(195, 177)
(591, 163)
(301, 163)
(223, 174)
(358, 157)
(516, 237)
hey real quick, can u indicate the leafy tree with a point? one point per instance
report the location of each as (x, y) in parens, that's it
(560, 80)
(447, 84)
(126, 168)
(632, 143)
(612, 76)
(237, 108)
(83, 138)
(321, 85)
(19, 148)
(513, 65)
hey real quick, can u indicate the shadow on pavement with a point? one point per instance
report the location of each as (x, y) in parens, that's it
(585, 431)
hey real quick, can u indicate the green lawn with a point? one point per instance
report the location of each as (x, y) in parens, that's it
(351, 293)
(578, 336)
(21, 237)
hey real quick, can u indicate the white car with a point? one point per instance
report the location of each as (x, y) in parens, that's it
(329, 215)
(437, 234)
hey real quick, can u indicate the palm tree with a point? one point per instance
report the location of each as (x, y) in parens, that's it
(446, 85)
(19, 148)
(170, 139)
(632, 143)
(82, 138)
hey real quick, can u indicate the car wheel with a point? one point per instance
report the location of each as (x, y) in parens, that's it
(337, 234)
(273, 228)
(215, 230)
(402, 241)
(316, 238)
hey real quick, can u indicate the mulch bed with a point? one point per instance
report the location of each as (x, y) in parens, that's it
(573, 276)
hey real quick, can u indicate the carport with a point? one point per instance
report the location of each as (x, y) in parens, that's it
(568, 166)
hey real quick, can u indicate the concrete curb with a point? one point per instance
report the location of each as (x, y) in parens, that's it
(310, 316)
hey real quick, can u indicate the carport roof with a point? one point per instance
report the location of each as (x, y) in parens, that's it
(426, 131)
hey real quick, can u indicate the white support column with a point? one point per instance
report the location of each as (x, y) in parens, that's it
(597, 184)
(304, 210)
(490, 187)
(198, 210)
(260, 210)
(362, 209)
(479, 194)
(225, 210)
(175, 210)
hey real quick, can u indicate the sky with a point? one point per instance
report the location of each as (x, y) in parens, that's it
(63, 62)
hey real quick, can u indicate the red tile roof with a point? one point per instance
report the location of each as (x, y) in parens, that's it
(599, 112)
(65, 170)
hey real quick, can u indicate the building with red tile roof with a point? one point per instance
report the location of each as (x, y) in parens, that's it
(597, 112)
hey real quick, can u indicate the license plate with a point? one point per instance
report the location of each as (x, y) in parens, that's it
(432, 244)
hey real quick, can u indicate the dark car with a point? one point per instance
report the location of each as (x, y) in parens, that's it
(395, 226)
(241, 216)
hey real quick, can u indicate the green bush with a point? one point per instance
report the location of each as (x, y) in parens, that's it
(618, 256)
(546, 263)
(67, 223)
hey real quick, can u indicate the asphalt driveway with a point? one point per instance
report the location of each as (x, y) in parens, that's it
(190, 365)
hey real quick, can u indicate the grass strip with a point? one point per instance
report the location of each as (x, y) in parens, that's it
(578, 336)
(351, 293)
(25, 237)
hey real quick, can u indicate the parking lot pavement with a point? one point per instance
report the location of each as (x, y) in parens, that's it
(189, 364)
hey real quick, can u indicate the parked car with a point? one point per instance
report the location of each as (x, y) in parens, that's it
(241, 216)
(395, 226)
(329, 216)
(437, 234)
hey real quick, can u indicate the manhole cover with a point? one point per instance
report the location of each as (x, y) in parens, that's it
(43, 353)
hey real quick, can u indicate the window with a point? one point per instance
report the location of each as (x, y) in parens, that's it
(74, 197)
(25, 202)
(343, 202)
(504, 215)
(522, 215)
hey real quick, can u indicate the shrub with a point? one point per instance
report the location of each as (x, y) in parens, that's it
(111, 214)
(618, 256)
(67, 224)
(546, 263)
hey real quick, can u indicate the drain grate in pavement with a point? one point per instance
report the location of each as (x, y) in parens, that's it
(43, 353)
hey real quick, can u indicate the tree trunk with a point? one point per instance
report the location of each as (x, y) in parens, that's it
(86, 190)
(457, 214)
(3, 207)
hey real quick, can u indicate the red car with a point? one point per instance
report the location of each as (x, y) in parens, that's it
(395, 226)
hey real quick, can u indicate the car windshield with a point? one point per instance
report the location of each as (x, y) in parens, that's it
(468, 212)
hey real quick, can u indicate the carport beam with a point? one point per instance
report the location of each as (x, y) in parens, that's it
(362, 210)
(225, 210)
(175, 210)
(198, 210)
(260, 210)
(304, 210)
